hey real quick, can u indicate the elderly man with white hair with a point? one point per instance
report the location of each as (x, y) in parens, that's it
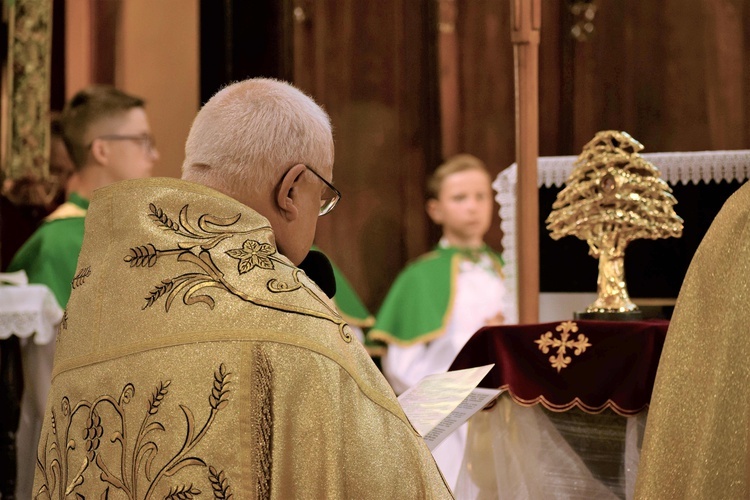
(196, 358)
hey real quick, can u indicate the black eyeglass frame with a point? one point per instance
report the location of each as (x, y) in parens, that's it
(329, 205)
(147, 141)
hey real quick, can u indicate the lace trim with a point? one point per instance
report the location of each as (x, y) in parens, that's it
(26, 324)
(675, 168)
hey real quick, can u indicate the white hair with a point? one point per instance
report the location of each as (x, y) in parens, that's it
(249, 133)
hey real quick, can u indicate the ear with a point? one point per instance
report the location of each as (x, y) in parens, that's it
(434, 211)
(100, 151)
(286, 196)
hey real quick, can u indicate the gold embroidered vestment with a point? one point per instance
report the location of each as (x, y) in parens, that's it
(195, 361)
(698, 431)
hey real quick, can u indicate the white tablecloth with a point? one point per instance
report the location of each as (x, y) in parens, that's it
(30, 312)
(27, 311)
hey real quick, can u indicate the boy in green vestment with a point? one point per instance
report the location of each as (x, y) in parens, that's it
(108, 138)
(439, 301)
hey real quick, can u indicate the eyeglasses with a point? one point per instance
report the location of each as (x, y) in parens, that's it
(147, 141)
(330, 198)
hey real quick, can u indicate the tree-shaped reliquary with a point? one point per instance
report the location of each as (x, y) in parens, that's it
(612, 197)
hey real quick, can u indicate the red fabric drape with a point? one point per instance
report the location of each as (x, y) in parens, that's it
(615, 371)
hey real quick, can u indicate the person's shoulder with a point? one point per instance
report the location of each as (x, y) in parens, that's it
(68, 211)
(55, 237)
(496, 256)
(427, 269)
(61, 231)
(426, 260)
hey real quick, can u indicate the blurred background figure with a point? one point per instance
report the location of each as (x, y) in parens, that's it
(108, 138)
(439, 301)
(28, 200)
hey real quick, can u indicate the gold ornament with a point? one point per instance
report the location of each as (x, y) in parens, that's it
(612, 197)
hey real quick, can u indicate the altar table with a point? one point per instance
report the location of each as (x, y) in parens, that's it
(570, 421)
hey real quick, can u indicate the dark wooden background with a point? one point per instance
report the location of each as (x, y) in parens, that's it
(409, 82)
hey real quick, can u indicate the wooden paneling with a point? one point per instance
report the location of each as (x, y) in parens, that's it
(241, 39)
(476, 84)
(673, 74)
(371, 65)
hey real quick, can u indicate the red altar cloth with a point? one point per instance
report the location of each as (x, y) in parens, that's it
(591, 365)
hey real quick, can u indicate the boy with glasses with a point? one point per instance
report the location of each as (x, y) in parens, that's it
(108, 138)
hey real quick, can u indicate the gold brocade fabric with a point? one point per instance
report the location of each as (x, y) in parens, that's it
(697, 435)
(194, 361)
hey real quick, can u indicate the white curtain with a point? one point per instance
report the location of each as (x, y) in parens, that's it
(516, 452)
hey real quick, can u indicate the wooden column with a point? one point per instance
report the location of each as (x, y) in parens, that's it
(449, 70)
(526, 20)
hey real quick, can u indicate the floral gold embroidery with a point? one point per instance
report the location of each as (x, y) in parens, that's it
(253, 254)
(182, 493)
(263, 375)
(138, 453)
(560, 360)
(142, 256)
(277, 286)
(158, 215)
(196, 250)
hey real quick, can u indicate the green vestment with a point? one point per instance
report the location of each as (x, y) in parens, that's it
(49, 257)
(347, 301)
(420, 302)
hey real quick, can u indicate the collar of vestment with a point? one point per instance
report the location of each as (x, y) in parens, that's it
(474, 254)
(76, 206)
(184, 256)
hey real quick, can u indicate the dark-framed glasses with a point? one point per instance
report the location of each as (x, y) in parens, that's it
(329, 198)
(147, 141)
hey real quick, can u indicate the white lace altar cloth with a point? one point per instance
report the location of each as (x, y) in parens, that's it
(675, 168)
(30, 312)
(27, 310)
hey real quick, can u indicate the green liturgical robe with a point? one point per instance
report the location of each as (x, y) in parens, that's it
(348, 302)
(49, 257)
(195, 361)
(419, 304)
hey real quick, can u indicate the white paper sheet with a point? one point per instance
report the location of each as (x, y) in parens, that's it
(438, 404)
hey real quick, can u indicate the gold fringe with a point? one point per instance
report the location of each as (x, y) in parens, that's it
(574, 403)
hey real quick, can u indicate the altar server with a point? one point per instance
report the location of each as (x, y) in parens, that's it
(439, 301)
